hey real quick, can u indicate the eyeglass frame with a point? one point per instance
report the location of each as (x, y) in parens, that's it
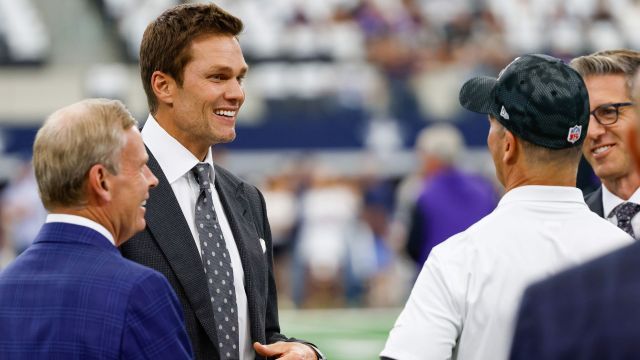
(617, 106)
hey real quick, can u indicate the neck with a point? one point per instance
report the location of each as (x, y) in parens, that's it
(623, 187)
(194, 146)
(540, 176)
(92, 214)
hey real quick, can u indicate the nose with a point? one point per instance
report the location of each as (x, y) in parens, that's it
(595, 128)
(152, 180)
(235, 91)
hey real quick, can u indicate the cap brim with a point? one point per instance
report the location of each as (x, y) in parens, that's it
(477, 95)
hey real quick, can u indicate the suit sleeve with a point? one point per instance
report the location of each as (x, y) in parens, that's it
(154, 324)
(527, 335)
(272, 325)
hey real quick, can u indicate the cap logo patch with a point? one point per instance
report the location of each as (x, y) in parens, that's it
(504, 113)
(574, 134)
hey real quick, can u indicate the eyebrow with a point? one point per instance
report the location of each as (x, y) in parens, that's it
(225, 68)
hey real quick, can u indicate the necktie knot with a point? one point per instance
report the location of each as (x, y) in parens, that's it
(202, 173)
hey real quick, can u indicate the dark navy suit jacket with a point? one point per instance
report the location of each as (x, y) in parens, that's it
(588, 312)
(594, 201)
(71, 295)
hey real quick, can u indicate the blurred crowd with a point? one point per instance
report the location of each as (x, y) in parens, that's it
(399, 58)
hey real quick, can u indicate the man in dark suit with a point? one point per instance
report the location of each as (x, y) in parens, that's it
(207, 230)
(71, 295)
(608, 75)
(588, 312)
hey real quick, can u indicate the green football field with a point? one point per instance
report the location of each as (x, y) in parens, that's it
(349, 334)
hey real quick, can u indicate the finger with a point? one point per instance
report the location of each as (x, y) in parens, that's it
(268, 350)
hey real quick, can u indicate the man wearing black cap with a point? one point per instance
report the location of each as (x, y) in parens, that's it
(590, 311)
(465, 298)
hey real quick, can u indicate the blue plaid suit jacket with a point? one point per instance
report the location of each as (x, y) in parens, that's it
(71, 295)
(588, 312)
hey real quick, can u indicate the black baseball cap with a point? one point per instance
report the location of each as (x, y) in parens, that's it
(537, 97)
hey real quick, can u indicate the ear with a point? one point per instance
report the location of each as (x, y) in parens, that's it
(99, 185)
(510, 145)
(163, 86)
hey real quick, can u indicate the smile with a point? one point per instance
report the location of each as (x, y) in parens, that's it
(600, 149)
(226, 113)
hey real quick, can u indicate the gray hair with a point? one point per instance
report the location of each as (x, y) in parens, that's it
(443, 141)
(71, 141)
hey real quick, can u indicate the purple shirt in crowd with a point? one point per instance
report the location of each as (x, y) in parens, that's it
(450, 202)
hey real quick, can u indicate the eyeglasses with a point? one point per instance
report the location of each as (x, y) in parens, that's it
(607, 114)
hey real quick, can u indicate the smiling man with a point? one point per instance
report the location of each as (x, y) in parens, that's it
(207, 230)
(608, 76)
(71, 295)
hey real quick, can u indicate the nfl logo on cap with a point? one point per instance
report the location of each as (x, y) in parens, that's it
(574, 134)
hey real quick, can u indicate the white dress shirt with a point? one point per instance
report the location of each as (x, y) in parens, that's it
(176, 163)
(610, 201)
(464, 302)
(81, 221)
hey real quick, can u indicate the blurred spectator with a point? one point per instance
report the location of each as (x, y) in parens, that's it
(23, 213)
(282, 206)
(329, 216)
(450, 200)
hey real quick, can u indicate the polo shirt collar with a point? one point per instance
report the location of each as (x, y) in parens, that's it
(543, 193)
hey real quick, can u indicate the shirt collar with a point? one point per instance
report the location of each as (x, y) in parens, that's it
(174, 159)
(81, 221)
(543, 193)
(611, 200)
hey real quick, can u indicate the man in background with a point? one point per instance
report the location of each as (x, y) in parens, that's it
(608, 76)
(591, 311)
(450, 200)
(207, 230)
(466, 296)
(71, 295)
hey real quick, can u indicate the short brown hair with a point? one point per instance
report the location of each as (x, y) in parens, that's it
(166, 41)
(71, 141)
(609, 62)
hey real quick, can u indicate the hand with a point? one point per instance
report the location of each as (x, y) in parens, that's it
(286, 351)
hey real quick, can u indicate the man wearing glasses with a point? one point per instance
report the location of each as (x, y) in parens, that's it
(608, 76)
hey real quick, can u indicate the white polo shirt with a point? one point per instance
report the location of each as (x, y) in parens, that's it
(464, 302)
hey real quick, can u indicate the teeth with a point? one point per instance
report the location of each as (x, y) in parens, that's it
(228, 113)
(144, 203)
(601, 149)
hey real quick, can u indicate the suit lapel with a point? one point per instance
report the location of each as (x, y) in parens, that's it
(169, 228)
(242, 225)
(594, 201)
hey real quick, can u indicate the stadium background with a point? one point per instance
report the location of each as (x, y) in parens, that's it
(336, 93)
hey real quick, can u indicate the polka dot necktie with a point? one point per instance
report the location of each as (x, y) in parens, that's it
(217, 267)
(624, 213)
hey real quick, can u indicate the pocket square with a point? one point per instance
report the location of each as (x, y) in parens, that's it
(263, 245)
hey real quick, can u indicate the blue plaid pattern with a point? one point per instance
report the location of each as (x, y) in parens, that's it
(71, 295)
